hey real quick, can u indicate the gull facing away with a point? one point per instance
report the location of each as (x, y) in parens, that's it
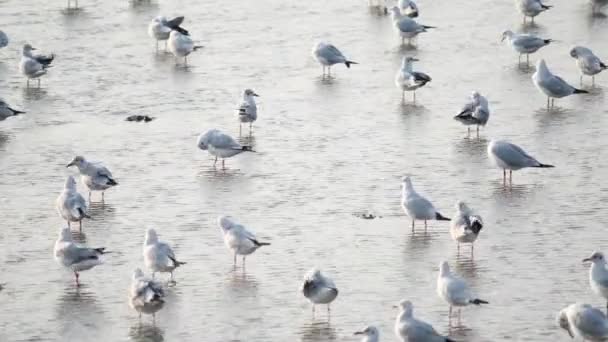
(409, 80)
(598, 275)
(454, 291)
(3, 39)
(181, 45)
(584, 321)
(531, 8)
(160, 28)
(475, 112)
(524, 44)
(588, 63)
(410, 329)
(6, 111)
(76, 258)
(94, 176)
(158, 255)
(552, 85)
(328, 55)
(34, 66)
(370, 334)
(408, 28)
(70, 204)
(248, 110)
(238, 239)
(508, 156)
(220, 144)
(145, 295)
(319, 289)
(465, 225)
(408, 8)
(416, 206)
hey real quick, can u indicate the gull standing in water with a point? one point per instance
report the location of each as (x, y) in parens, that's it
(95, 177)
(408, 28)
(248, 110)
(145, 295)
(524, 44)
(416, 206)
(596, 5)
(408, 8)
(70, 204)
(370, 334)
(158, 255)
(3, 39)
(588, 63)
(319, 289)
(465, 225)
(410, 329)
(34, 66)
(598, 275)
(6, 111)
(531, 8)
(76, 258)
(328, 55)
(238, 239)
(474, 112)
(181, 45)
(552, 85)
(409, 80)
(511, 157)
(454, 291)
(584, 321)
(160, 28)
(220, 144)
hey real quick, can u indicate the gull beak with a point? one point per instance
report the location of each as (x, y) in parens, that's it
(587, 260)
(359, 333)
(570, 332)
(256, 95)
(70, 164)
(415, 60)
(502, 39)
(395, 306)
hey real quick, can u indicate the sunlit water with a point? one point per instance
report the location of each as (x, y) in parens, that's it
(326, 150)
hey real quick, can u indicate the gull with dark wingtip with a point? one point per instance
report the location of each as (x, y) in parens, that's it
(34, 66)
(160, 28)
(319, 289)
(552, 85)
(6, 111)
(531, 8)
(94, 176)
(475, 112)
(508, 156)
(409, 80)
(74, 257)
(248, 109)
(407, 27)
(416, 207)
(587, 62)
(327, 55)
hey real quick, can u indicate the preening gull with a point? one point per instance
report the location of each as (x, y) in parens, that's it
(248, 110)
(584, 321)
(327, 55)
(319, 289)
(455, 291)
(409, 80)
(94, 176)
(508, 156)
(70, 204)
(410, 329)
(34, 66)
(220, 145)
(160, 28)
(145, 295)
(158, 255)
(552, 85)
(465, 225)
(238, 239)
(417, 207)
(475, 112)
(588, 63)
(181, 45)
(76, 258)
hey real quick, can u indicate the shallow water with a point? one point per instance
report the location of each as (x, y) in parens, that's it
(326, 150)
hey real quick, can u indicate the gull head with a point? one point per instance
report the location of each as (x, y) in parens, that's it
(151, 236)
(444, 268)
(407, 307)
(596, 257)
(408, 60)
(406, 183)
(27, 49)
(461, 206)
(225, 222)
(395, 12)
(78, 161)
(138, 274)
(370, 331)
(70, 183)
(506, 34)
(249, 92)
(65, 234)
(562, 321)
(475, 95)
(579, 51)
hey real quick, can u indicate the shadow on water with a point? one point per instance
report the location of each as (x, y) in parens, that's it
(531, 27)
(143, 6)
(77, 235)
(34, 93)
(465, 264)
(4, 139)
(246, 139)
(420, 241)
(318, 331)
(72, 12)
(77, 310)
(99, 211)
(472, 146)
(146, 332)
(459, 331)
(511, 192)
(240, 282)
(410, 108)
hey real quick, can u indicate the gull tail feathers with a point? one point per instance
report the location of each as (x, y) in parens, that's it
(478, 301)
(101, 250)
(544, 165)
(348, 63)
(580, 91)
(476, 225)
(440, 217)
(603, 66)
(247, 148)
(16, 112)
(429, 27)
(196, 47)
(177, 263)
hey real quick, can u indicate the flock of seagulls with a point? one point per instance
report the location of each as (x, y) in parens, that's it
(147, 295)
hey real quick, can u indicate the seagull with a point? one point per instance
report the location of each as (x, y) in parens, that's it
(76, 258)
(370, 334)
(584, 321)
(596, 5)
(95, 177)
(6, 111)
(70, 204)
(410, 329)
(587, 62)
(319, 289)
(454, 291)
(524, 44)
(34, 66)
(416, 206)
(75, 5)
(328, 55)
(409, 80)
(248, 110)
(238, 239)
(465, 225)
(511, 157)
(408, 28)
(181, 45)
(160, 28)
(408, 8)
(220, 144)
(552, 85)
(598, 275)
(158, 255)
(145, 295)
(3, 39)
(474, 112)
(531, 8)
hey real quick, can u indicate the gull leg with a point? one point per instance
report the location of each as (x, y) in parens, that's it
(528, 57)
(223, 164)
(511, 177)
(450, 312)
(250, 128)
(403, 97)
(548, 102)
(552, 103)
(468, 132)
(414, 97)
(240, 128)
(477, 131)
(472, 249)
(234, 258)
(80, 225)
(425, 225)
(69, 225)
(413, 223)
(329, 71)
(532, 20)
(244, 256)
(103, 196)
(593, 80)
(89, 197)
(38, 82)
(519, 59)
(28, 83)
(504, 177)
(77, 276)
(215, 161)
